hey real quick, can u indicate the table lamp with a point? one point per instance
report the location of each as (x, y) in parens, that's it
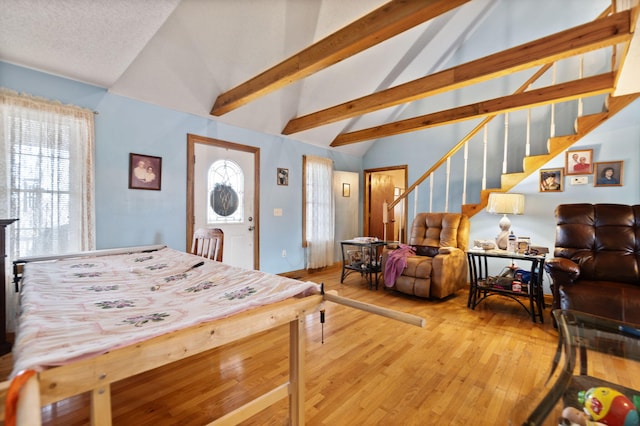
(504, 204)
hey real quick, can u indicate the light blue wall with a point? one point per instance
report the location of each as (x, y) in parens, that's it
(126, 217)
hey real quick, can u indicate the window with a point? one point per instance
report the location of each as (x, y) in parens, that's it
(46, 176)
(225, 186)
(318, 211)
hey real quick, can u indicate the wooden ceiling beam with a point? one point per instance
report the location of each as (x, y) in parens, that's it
(600, 33)
(383, 23)
(589, 86)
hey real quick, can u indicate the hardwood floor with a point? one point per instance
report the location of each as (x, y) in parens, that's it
(465, 367)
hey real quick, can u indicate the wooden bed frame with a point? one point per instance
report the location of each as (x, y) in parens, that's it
(96, 374)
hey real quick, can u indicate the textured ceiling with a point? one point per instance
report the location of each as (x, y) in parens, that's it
(183, 54)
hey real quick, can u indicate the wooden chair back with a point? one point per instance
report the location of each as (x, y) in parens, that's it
(208, 242)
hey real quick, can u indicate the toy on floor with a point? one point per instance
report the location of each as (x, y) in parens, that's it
(610, 407)
(576, 417)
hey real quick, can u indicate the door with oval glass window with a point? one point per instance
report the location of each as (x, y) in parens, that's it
(224, 197)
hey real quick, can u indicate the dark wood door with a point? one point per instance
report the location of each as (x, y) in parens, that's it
(381, 191)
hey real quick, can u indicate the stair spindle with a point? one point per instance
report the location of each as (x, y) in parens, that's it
(552, 130)
(527, 147)
(484, 160)
(464, 175)
(446, 197)
(506, 142)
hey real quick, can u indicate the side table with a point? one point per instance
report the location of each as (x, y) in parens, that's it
(480, 289)
(364, 257)
(608, 355)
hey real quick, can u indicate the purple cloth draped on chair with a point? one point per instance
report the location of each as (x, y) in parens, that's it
(396, 262)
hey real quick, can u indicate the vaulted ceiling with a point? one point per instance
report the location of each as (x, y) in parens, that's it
(332, 73)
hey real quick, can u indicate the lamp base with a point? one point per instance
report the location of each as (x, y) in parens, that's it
(502, 239)
(503, 236)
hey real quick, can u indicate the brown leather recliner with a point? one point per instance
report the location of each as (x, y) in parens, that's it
(596, 268)
(443, 269)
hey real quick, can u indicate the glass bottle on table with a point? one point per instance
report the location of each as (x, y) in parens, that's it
(511, 243)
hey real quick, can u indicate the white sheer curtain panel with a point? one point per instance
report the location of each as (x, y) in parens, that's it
(46, 177)
(320, 215)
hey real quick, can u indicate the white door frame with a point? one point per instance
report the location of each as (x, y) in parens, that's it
(191, 141)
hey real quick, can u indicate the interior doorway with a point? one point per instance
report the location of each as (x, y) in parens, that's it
(241, 235)
(385, 185)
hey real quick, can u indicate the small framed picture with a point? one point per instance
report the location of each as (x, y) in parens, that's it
(608, 173)
(523, 245)
(346, 190)
(145, 172)
(283, 176)
(551, 180)
(579, 162)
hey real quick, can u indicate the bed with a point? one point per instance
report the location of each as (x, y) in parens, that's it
(90, 320)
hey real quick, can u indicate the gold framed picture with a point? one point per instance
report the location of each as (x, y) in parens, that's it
(608, 173)
(551, 180)
(579, 162)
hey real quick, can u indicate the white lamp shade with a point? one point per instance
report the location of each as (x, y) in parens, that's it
(505, 203)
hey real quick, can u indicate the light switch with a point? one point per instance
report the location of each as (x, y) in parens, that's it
(277, 212)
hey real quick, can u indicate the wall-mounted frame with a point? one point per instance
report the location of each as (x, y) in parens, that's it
(608, 173)
(346, 190)
(282, 176)
(579, 162)
(551, 180)
(145, 172)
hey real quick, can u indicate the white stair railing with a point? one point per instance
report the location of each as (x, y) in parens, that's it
(446, 198)
(552, 130)
(484, 158)
(527, 147)
(505, 148)
(464, 176)
(580, 73)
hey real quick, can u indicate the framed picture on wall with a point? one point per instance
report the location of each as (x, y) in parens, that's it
(550, 180)
(145, 172)
(346, 190)
(579, 162)
(283, 176)
(608, 173)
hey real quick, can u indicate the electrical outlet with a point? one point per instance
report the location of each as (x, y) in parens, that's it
(284, 253)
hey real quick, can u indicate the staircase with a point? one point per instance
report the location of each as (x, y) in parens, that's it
(555, 146)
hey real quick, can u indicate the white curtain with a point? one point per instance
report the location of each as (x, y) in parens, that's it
(46, 178)
(319, 211)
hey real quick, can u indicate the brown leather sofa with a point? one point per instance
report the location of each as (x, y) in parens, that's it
(442, 270)
(596, 268)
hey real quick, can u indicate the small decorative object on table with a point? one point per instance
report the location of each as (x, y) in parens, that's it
(484, 244)
(538, 250)
(488, 245)
(523, 245)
